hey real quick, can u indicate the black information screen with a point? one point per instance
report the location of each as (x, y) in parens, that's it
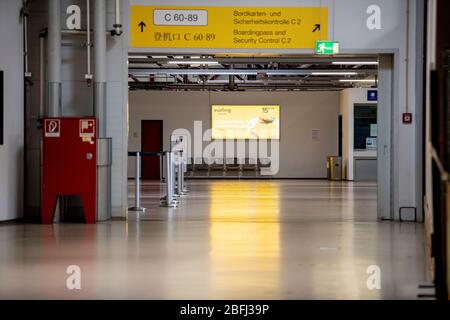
(1, 107)
(365, 115)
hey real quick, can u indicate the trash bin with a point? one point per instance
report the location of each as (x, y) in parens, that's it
(334, 168)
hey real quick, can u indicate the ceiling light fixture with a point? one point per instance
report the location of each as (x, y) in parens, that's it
(190, 62)
(337, 73)
(357, 80)
(137, 57)
(355, 63)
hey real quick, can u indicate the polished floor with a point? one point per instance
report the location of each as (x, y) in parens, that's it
(228, 239)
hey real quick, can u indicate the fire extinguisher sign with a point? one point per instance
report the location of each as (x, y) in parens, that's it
(87, 128)
(52, 128)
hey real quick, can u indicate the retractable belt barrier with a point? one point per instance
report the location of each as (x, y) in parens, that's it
(174, 178)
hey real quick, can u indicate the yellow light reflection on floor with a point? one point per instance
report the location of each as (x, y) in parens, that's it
(244, 234)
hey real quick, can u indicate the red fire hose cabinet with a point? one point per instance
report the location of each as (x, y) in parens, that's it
(69, 164)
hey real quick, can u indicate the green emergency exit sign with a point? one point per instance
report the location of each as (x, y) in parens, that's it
(327, 47)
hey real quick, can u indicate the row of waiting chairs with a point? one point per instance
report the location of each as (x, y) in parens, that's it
(226, 167)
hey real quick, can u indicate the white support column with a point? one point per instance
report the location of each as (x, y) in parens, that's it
(103, 171)
(384, 143)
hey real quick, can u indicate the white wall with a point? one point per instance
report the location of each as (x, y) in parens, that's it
(300, 113)
(348, 99)
(11, 152)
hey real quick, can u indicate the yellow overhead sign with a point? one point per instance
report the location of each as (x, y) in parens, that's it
(227, 27)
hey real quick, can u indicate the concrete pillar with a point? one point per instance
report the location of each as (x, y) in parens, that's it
(384, 139)
(103, 170)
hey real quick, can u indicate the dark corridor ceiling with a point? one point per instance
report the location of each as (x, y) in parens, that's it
(244, 73)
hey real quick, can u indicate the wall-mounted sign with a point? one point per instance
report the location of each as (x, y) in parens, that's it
(327, 47)
(52, 128)
(372, 95)
(315, 134)
(371, 143)
(87, 128)
(227, 27)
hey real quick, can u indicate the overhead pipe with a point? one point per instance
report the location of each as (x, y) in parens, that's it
(54, 59)
(88, 76)
(25, 44)
(25, 13)
(407, 56)
(143, 70)
(224, 87)
(27, 80)
(100, 65)
(117, 26)
(42, 36)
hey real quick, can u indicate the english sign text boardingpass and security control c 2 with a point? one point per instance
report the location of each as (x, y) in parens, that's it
(228, 27)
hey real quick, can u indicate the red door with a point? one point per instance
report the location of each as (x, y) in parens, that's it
(151, 135)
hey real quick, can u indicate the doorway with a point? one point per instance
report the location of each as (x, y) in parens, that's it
(302, 74)
(151, 141)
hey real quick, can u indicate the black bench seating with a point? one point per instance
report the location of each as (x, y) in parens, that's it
(226, 167)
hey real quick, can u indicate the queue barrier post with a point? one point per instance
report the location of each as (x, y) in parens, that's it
(180, 175)
(137, 182)
(169, 200)
(161, 167)
(183, 172)
(174, 178)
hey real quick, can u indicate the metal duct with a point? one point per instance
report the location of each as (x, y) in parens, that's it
(54, 59)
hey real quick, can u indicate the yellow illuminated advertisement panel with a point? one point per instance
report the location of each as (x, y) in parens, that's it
(227, 27)
(245, 122)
